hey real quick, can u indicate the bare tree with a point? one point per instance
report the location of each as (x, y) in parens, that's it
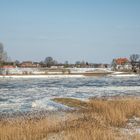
(134, 57)
(49, 61)
(77, 63)
(66, 64)
(3, 54)
(1, 51)
(114, 64)
(135, 62)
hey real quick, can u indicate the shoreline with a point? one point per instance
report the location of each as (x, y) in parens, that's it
(72, 104)
(38, 76)
(73, 75)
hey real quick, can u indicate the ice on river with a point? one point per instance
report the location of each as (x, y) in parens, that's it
(29, 94)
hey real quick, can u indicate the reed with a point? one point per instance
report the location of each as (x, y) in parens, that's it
(97, 119)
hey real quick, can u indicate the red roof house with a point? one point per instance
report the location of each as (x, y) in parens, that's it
(121, 61)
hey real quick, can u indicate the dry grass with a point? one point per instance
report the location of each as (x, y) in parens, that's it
(116, 112)
(26, 130)
(72, 102)
(98, 119)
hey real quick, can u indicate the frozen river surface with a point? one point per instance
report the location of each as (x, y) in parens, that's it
(27, 95)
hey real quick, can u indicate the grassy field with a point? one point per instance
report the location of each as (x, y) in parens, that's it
(97, 119)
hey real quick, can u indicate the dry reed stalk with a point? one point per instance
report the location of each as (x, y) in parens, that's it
(98, 119)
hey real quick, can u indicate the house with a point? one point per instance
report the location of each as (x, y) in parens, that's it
(121, 61)
(122, 64)
(7, 69)
(29, 64)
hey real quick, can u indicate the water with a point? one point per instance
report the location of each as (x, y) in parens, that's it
(28, 95)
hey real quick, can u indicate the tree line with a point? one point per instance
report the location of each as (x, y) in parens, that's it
(134, 60)
(47, 62)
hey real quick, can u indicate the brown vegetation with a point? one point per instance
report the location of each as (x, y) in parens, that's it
(97, 119)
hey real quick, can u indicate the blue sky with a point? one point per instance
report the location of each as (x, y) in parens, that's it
(90, 30)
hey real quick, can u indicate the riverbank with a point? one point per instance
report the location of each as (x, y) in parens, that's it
(74, 75)
(39, 76)
(115, 118)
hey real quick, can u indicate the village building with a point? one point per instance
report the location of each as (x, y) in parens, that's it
(29, 64)
(122, 64)
(8, 69)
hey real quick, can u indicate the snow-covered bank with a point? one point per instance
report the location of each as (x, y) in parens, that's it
(123, 74)
(87, 70)
(41, 76)
(65, 76)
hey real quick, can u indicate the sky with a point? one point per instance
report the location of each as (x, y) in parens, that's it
(92, 30)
